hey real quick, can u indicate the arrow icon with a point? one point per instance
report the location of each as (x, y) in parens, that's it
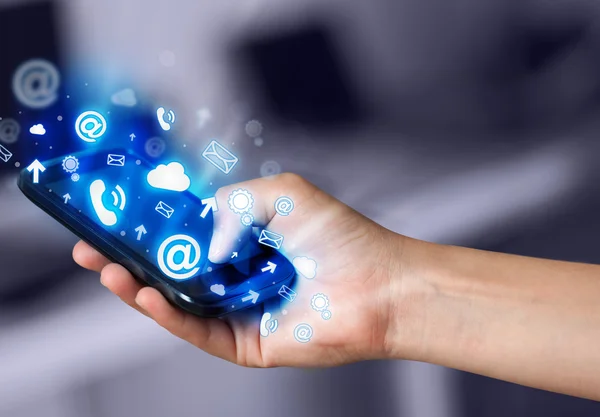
(253, 296)
(132, 136)
(235, 255)
(209, 204)
(67, 197)
(270, 267)
(36, 167)
(141, 230)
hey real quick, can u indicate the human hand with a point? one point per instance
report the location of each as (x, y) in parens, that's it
(357, 262)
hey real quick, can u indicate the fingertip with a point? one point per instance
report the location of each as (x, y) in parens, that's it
(150, 300)
(88, 257)
(117, 279)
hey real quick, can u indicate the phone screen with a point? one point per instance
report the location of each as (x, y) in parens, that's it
(167, 231)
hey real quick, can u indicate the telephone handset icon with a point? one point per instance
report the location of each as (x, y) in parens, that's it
(106, 216)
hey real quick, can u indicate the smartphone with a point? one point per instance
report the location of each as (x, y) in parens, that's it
(161, 236)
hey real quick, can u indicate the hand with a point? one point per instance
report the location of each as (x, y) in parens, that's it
(356, 266)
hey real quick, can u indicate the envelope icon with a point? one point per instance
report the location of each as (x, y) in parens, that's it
(5, 154)
(220, 157)
(116, 160)
(270, 239)
(287, 293)
(165, 210)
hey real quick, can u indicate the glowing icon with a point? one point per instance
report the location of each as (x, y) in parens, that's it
(270, 168)
(218, 289)
(165, 118)
(75, 177)
(234, 255)
(67, 198)
(303, 333)
(70, 164)
(284, 206)
(164, 209)
(319, 302)
(305, 266)
(36, 167)
(271, 267)
(90, 126)
(254, 128)
(287, 293)
(106, 216)
(240, 201)
(252, 296)
(115, 160)
(247, 219)
(5, 154)
(178, 257)
(209, 204)
(268, 325)
(124, 98)
(38, 130)
(220, 157)
(155, 147)
(132, 136)
(141, 231)
(170, 177)
(9, 131)
(270, 239)
(35, 84)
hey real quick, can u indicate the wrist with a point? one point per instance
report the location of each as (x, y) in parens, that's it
(409, 297)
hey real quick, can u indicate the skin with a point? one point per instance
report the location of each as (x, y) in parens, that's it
(524, 320)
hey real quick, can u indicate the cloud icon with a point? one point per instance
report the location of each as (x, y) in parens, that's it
(306, 266)
(169, 177)
(218, 289)
(125, 98)
(37, 130)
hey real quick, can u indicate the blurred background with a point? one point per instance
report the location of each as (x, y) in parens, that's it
(461, 122)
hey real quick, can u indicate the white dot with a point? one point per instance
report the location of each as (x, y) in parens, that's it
(59, 118)
(50, 147)
(284, 312)
(209, 269)
(138, 162)
(147, 250)
(50, 191)
(185, 224)
(259, 142)
(86, 84)
(167, 58)
(123, 233)
(68, 96)
(17, 164)
(127, 178)
(184, 145)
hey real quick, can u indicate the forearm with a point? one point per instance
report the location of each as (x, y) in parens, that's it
(529, 321)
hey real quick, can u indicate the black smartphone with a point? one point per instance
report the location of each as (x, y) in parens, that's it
(161, 236)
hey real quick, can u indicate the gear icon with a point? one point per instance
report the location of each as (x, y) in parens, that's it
(241, 201)
(70, 164)
(247, 219)
(319, 302)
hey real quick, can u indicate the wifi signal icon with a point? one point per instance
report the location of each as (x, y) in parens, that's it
(165, 118)
(268, 325)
